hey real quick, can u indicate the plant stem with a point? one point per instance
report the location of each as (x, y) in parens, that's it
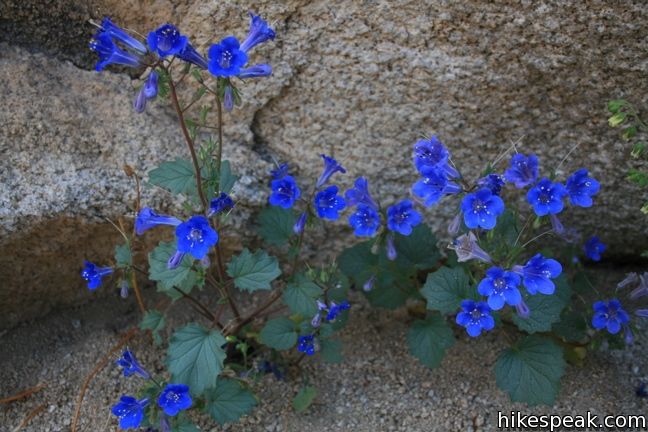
(225, 294)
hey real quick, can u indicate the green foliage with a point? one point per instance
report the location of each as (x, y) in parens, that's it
(227, 178)
(301, 296)
(331, 350)
(446, 288)
(530, 371)
(276, 225)
(123, 258)
(229, 400)
(182, 277)
(175, 176)
(304, 398)
(253, 271)
(544, 309)
(279, 333)
(153, 320)
(195, 357)
(419, 249)
(572, 327)
(428, 340)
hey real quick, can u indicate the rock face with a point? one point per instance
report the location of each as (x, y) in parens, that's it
(361, 80)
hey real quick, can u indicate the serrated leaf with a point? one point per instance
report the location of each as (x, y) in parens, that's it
(176, 176)
(544, 310)
(331, 350)
(252, 272)
(530, 371)
(229, 400)
(279, 333)
(358, 263)
(304, 398)
(227, 178)
(301, 296)
(195, 357)
(123, 257)
(418, 249)
(572, 327)
(153, 320)
(185, 425)
(428, 340)
(446, 288)
(182, 277)
(276, 225)
(389, 292)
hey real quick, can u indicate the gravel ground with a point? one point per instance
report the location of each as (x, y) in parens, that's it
(379, 387)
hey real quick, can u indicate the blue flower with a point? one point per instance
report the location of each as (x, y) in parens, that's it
(434, 186)
(369, 284)
(298, 227)
(430, 156)
(523, 171)
(174, 398)
(359, 194)
(175, 259)
(228, 98)
(151, 85)
(392, 253)
(402, 217)
(581, 188)
(522, 309)
(167, 40)
(306, 344)
(220, 204)
(284, 192)
(130, 411)
(546, 197)
(196, 236)
(501, 287)
(328, 203)
(335, 310)
(466, 248)
(93, 274)
(130, 365)
(475, 317)
(609, 315)
(537, 274)
(494, 182)
(147, 219)
(331, 166)
(256, 71)
(594, 248)
(226, 59)
(110, 53)
(259, 32)
(481, 209)
(365, 221)
(120, 34)
(139, 104)
(280, 172)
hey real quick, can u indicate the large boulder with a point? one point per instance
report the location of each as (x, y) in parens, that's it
(360, 80)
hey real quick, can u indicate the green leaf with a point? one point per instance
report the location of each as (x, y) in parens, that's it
(418, 249)
(331, 350)
(390, 292)
(279, 333)
(301, 296)
(195, 357)
(227, 178)
(544, 309)
(153, 320)
(276, 225)
(123, 257)
(530, 371)
(176, 176)
(184, 425)
(358, 263)
(615, 105)
(617, 119)
(304, 398)
(572, 327)
(252, 272)
(229, 400)
(428, 340)
(182, 277)
(446, 288)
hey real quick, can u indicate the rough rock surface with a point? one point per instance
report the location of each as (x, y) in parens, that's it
(362, 80)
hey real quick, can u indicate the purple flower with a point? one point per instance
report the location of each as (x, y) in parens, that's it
(175, 259)
(434, 186)
(546, 197)
(594, 248)
(466, 248)
(147, 219)
(226, 59)
(581, 188)
(475, 317)
(120, 34)
(494, 182)
(300, 224)
(365, 221)
(430, 156)
(359, 194)
(130, 411)
(328, 203)
(369, 284)
(455, 225)
(538, 273)
(256, 71)
(93, 274)
(501, 287)
(259, 32)
(228, 98)
(150, 87)
(307, 344)
(610, 316)
(284, 192)
(522, 309)
(402, 217)
(196, 236)
(139, 104)
(130, 365)
(174, 398)
(109, 53)
(335, 310)
(331, 166)
(523, 171)
(220, 204)
(481, 209)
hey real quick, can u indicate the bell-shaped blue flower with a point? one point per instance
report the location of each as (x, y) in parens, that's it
(523, 171)
(434, 186)
(93, 274)
(151, 85)
(130, 366)
(280, 172)
(226, 58)
(594, 248)
(256, 71)
(501, 287)
(299, 226)
(220, 204)
(494, 182)
(130, 411)
(609, 315)
(175, 259)
(284, 192)
(331, 166)
(475, 317)
(307, 344)
(481, 209)
(581, 187)
(546, 197)
(359, 194)
(147, 219)
(139, 104)
(328, 203)
(109, 53)
(430, 156)
(196, 236)
(365, 221)
(122, 36)
(335, 309)
(260, 32)
(174, 398)
(402, 217)
(537, 274)
(167, 40)
(466, 248)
